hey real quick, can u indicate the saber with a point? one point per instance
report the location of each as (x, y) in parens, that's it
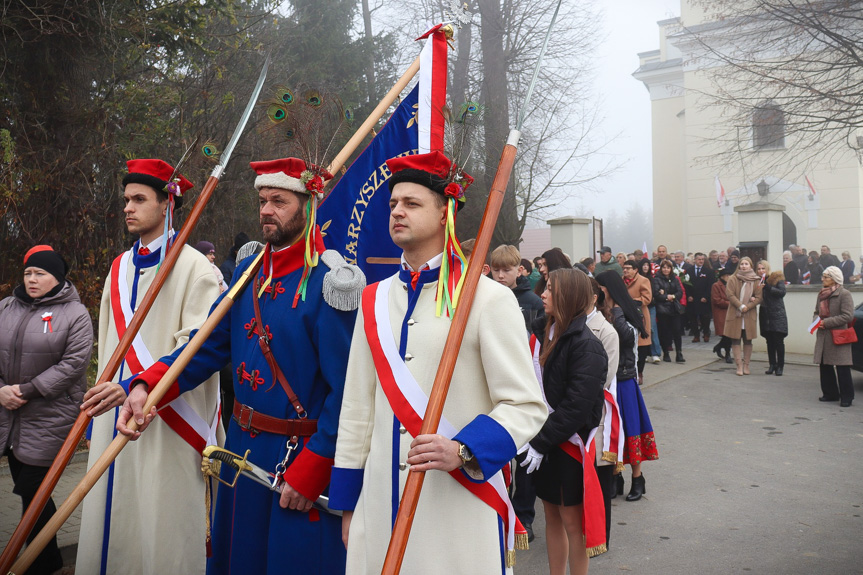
(67, 450)
(443, 377)
(216, 457)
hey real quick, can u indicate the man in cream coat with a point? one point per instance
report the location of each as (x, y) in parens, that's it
(494, 405)
(156, 482)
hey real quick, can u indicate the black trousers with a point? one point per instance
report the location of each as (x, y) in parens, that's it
(524, 498)
(845, 390)
(669, 331)
(776, 348)
(605, 473)
(700, 322)
(27, 479)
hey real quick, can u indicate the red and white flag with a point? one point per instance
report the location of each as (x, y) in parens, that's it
(720, 192)
(811, 187)
(813, 327)
(432, 94)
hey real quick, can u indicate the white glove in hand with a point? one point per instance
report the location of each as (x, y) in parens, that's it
(533, 460)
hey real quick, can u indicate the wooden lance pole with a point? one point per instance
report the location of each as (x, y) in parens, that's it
(110, 454)
(80, 426)
(440, 387)
(67, 450)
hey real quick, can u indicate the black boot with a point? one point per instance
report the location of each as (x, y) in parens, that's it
(618, 486)
(638, 489)
(770, 370)
(666, 356)
(717, 349)
(678, 357)
(780, 359)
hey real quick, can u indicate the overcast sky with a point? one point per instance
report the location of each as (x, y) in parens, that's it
(630, 27)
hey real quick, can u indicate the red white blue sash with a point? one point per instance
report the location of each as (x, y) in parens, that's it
(178, 415)
(409, 401)
(593, 514)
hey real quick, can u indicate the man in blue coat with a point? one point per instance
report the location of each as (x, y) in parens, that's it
(307, 313)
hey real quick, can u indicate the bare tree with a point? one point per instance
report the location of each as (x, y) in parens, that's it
(493, 64)
(782, 72)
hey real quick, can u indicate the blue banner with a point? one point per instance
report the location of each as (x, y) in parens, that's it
(354, 218)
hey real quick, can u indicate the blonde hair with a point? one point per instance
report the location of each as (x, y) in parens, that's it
(766, 265)
(505, 257)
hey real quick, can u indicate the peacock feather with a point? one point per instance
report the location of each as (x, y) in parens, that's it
(210, 151)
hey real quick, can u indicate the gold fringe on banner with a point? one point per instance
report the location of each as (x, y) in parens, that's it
(598, 550)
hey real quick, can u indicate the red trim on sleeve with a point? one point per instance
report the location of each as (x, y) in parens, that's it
(309, 474)
(152, 377)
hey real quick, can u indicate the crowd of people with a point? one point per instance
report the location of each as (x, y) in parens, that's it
(328, 381)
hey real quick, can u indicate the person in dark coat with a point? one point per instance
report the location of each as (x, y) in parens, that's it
(789, 268)
(628, 321)
(827, 259)
(46, 338)
(667, 293)
(698, 296)
(772, 320)
(847, 268)
(719, 304)
(505, 264)
(553, 259)
(835, 308)
(733, 260)
(230, 264)
(814, 270)
(574, 368)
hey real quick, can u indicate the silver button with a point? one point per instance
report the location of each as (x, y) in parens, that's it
(402, 429)
(408, 357)
(411, 321)
(403, 466)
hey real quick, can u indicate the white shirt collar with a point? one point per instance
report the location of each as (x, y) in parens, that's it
(433, 263)
(157, 243)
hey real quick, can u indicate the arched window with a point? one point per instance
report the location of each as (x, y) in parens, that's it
(768, 127)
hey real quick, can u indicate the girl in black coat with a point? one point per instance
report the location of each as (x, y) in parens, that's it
(574, 366)
(773, 319)
(640, 444)
(667, 293)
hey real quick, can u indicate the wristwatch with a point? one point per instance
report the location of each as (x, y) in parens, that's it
(464, 453)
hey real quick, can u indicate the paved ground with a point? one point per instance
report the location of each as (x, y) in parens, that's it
(755, 476)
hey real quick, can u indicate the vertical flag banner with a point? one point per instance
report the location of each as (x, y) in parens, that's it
(432, 97)
(355, 216)
(720, 192)
(811, 187)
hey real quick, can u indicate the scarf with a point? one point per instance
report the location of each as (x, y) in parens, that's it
(823, 303)
(748, 278)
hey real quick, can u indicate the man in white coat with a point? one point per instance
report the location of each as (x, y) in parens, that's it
(464, 521)
(154, 492)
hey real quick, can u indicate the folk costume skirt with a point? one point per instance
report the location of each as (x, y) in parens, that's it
(640, 444)
(560, 479)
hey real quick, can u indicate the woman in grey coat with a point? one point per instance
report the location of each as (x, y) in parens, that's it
(46, 338)
(835, 307)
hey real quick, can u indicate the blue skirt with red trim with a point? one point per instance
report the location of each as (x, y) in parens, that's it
(640, 444)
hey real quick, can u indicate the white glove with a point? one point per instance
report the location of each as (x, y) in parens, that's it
(533, 460)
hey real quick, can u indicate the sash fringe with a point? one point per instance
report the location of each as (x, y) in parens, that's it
(609, 456)
(598, 550)
(510, 557)
(521, 541)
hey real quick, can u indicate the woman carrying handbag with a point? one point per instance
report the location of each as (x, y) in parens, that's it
(833, 338)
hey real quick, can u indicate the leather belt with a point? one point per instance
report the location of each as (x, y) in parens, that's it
(255, 422)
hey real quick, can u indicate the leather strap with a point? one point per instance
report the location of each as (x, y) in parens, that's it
(250, 420)
(264, 342)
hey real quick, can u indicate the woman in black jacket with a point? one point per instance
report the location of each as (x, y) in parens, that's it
(640, 444)
(773, 319)
(667, 293)
(574, 366)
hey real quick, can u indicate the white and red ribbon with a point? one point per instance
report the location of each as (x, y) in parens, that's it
(178, 414)
(46, 317)
(409, 401)
(432, 91)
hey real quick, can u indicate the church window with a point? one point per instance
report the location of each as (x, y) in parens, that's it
(768, 127)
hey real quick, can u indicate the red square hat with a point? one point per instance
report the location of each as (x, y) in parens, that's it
(156, 174)
(290, 174)
(432, 170)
